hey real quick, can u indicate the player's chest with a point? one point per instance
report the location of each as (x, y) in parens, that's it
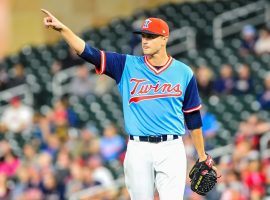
(142, 85)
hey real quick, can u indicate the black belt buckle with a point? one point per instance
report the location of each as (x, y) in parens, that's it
(154, 139)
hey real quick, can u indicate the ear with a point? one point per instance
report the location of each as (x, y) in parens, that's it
(165, 39)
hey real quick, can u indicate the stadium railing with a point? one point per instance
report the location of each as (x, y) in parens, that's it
(255, 13)
(264, 145)
(59, 87)
(93, 191)
(23, 91)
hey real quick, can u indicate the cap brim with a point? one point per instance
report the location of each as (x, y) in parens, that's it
(145, 31)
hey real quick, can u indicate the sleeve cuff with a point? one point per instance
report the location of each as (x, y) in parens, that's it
(193, 109)
(193, 120)
(82, 55)
(103, 63)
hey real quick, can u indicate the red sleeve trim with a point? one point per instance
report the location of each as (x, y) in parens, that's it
(193, 109)
(103, 63)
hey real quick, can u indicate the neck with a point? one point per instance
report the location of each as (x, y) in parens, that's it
(158, 59)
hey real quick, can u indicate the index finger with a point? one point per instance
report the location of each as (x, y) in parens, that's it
(47, 12)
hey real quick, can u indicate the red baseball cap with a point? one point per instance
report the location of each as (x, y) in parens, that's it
(154, 26)
(15, 100)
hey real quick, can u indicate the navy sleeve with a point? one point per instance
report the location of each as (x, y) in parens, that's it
(192, 101)
(193, 120)
(114, 65)
(91, 55)
(109, 63)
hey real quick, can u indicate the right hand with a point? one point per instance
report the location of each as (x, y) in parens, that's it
(51, 21)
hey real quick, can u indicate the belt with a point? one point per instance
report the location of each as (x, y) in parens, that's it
(154, 139)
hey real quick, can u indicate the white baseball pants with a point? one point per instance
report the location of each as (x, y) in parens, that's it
(161, 165)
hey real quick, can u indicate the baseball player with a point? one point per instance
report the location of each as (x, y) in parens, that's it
(160, 96)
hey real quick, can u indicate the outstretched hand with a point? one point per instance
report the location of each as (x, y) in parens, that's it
(51, 21)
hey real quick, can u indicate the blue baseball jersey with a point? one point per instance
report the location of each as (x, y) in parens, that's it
(154, 98)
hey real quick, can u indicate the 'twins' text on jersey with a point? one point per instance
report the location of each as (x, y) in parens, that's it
(143, 89)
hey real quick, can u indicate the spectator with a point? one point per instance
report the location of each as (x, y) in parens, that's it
(225, 164)
(36, 132)
(34, 178)
(249, 39)
(55, 67)
(62, 171)
(74, 183)
(17, 117)
(263, 43)
(100, 172)
(255, 179)
(73, 119)
(3, 79)
(266, 172)
(18, 76)
(111, 144)
(259, 126)
(204, 77)
(103, 84)
(234, 188)
(33, 194)
(264, 98)
(251, 130)
(4, 189)
(209, 128)
(58, 119)
(82, 84)
(246, 133)
(86, 144)
(241, 150)
(29, 154)
(45, 162)
(224, 83)
(88, 179)
(22, 183)
(50, 188)
(9, 162)
(43, 128)
(51, 147)
(243, 82)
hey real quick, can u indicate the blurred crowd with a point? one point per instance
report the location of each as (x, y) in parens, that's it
(14, 78)
(245, 172)
(50, 155)
(55, 158)
(253, 42)
(235, 80)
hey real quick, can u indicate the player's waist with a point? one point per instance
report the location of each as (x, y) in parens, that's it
(154, 139)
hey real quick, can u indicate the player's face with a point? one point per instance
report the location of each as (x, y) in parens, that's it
(152, 44)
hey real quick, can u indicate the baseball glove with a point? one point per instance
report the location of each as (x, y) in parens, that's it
(203, 177)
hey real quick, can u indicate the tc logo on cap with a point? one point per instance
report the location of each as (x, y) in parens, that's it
(146, 23)
(154, 26)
